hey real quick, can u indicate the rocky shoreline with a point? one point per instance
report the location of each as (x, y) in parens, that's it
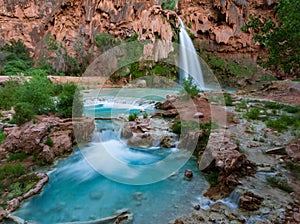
(42, 142)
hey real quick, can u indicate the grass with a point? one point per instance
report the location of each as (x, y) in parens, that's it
(281, 123)
(281, 184)
(20, 187)
(295, 169)
(49, 142)
(132, 117)
(2, 136)
(212, 177)
(17, 156)
(12, 171)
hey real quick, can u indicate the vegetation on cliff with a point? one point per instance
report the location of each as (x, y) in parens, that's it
(281, 37)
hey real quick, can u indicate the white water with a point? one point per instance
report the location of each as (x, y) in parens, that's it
(188, 59)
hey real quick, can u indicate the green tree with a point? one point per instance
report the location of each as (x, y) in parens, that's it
(36, 92)
(169, 4)
(24, 112)
(7, 92)
(69, 101)
(280, 37)
(105, 41)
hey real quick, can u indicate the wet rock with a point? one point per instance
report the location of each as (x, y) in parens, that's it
(13, 204)
(188, 174)
(168, 141)
(140, 140)
(3, 214)
(276, 150)
(198, 115)
(197, 207)
(165, 105)
(250, 201)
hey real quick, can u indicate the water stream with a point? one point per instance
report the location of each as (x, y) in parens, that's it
(76, 192)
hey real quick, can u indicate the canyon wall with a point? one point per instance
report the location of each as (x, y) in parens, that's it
(214, 23)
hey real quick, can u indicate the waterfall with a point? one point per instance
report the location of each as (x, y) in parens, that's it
(188, 59)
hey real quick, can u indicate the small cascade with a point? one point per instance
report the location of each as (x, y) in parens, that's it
(188, 59)
(233, 199)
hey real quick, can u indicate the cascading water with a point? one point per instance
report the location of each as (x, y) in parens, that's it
(188, 59)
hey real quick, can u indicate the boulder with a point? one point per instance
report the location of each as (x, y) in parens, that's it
(32, 137)
(188, 174)
(168, 141)
(165, 105)
(140, 140)
(250, 201)
(198, 115)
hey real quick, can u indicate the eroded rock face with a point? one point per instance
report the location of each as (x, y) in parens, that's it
(216, 24)
(76, 23)
(49, 136)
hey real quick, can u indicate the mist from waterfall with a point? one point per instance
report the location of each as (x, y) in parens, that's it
(188, 58)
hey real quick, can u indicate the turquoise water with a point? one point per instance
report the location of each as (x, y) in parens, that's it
(77, 192)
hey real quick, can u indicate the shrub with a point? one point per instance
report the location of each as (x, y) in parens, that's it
(132, 117)
(145, 115)
(24, 113)
(69, 101)
(105, 41)
(15, 67)
(49, 142)
(36, 92)
(228, 99)
(2, 136)
(253, 113)
(281, 184)
(17, 156)
(12, 171)
(189, 89)
(7, 93)
(212, 177)
(169, 4)
(281, 123)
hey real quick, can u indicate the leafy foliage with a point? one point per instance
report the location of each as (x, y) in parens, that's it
(24, 112)
(17, 156)
(49, 142)
(7, 93)
(105, 41)
(169, 4)
(69, 101)
(132, 117)
(2, 136)
(281, 38)
(12, 171)
(281, 184)
(36, 92)
(190, 89)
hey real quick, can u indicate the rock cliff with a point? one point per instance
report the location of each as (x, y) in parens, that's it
(215, 24)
